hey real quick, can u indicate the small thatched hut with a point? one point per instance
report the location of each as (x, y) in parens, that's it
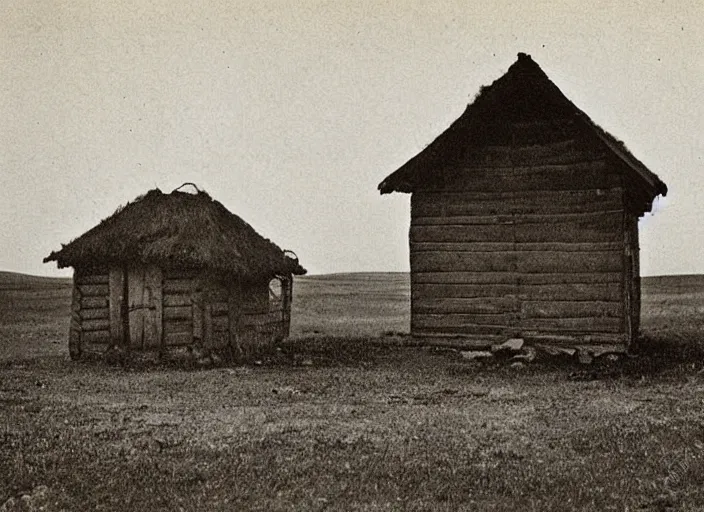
(177, 270)
(524, 222)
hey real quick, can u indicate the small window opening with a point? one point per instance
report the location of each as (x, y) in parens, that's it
(275, 290)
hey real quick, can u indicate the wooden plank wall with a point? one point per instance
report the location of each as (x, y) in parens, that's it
(217, 317)
(632, 276)
(520, 241)
(92, 292)
(195, 310)
(179, 301)
(192, 310)
(263, 321)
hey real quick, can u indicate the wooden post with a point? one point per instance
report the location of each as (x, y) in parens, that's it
(287, 300)
(635, 244)
(136, 306)
(152, 303)
(234, 314)
(74, 333)
(117, 306)
(197, 310)
(208, 324)
(627, 282)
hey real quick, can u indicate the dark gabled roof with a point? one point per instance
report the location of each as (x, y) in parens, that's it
(180, 230)
(524, 93)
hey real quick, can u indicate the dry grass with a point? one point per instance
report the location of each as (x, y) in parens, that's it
(338, 421)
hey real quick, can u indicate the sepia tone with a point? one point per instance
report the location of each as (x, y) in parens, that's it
(177, 272)
(532, 340)
(524, 222)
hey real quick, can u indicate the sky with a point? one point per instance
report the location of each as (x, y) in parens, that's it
(290, 113)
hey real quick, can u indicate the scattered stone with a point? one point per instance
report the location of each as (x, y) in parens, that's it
(517, 364)
(584, 357)
(34, 500)
(10, 504)
(528, 355)
(597, 351)
(472, 355)
(509, 346)
(204, 362)
(612, 358)
(556, 351)
(307, 362)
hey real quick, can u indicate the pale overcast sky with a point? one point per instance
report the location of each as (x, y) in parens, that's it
(290, 113)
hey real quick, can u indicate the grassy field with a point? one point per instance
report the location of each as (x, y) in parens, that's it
(339, 421)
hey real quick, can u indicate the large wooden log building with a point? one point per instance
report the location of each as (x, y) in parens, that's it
(177, 271)
(524, 222)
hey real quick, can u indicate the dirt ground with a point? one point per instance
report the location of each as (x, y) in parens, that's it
(343, 417)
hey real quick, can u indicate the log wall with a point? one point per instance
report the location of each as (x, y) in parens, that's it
(90, 317)
(180, 299)
(194, 311)
(524, 241)
(265, 317)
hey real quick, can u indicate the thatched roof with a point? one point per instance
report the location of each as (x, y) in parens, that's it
(523, 94)
(178, 230)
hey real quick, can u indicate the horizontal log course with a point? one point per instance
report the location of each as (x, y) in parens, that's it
(538, 278)
(178, 313)
(178, 286)
(219, 308)
(95, 325)
(592, 218)
(514, 261)
(607, 229)
(94, 302)
(571, 309)
(173, 339)
(515, 246)
(566, 151)
(499, 320)
(592, 325)
(538, 337)
(218, 294)
(482, 306)
(423, 291)
(171, 300)
(95, 337)
(92, 279)
(178, 326)
(609, 292)
(467, 329)
(178, 274)
(94, 290)
(470, 202)
(519, 177)
(95, 314)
